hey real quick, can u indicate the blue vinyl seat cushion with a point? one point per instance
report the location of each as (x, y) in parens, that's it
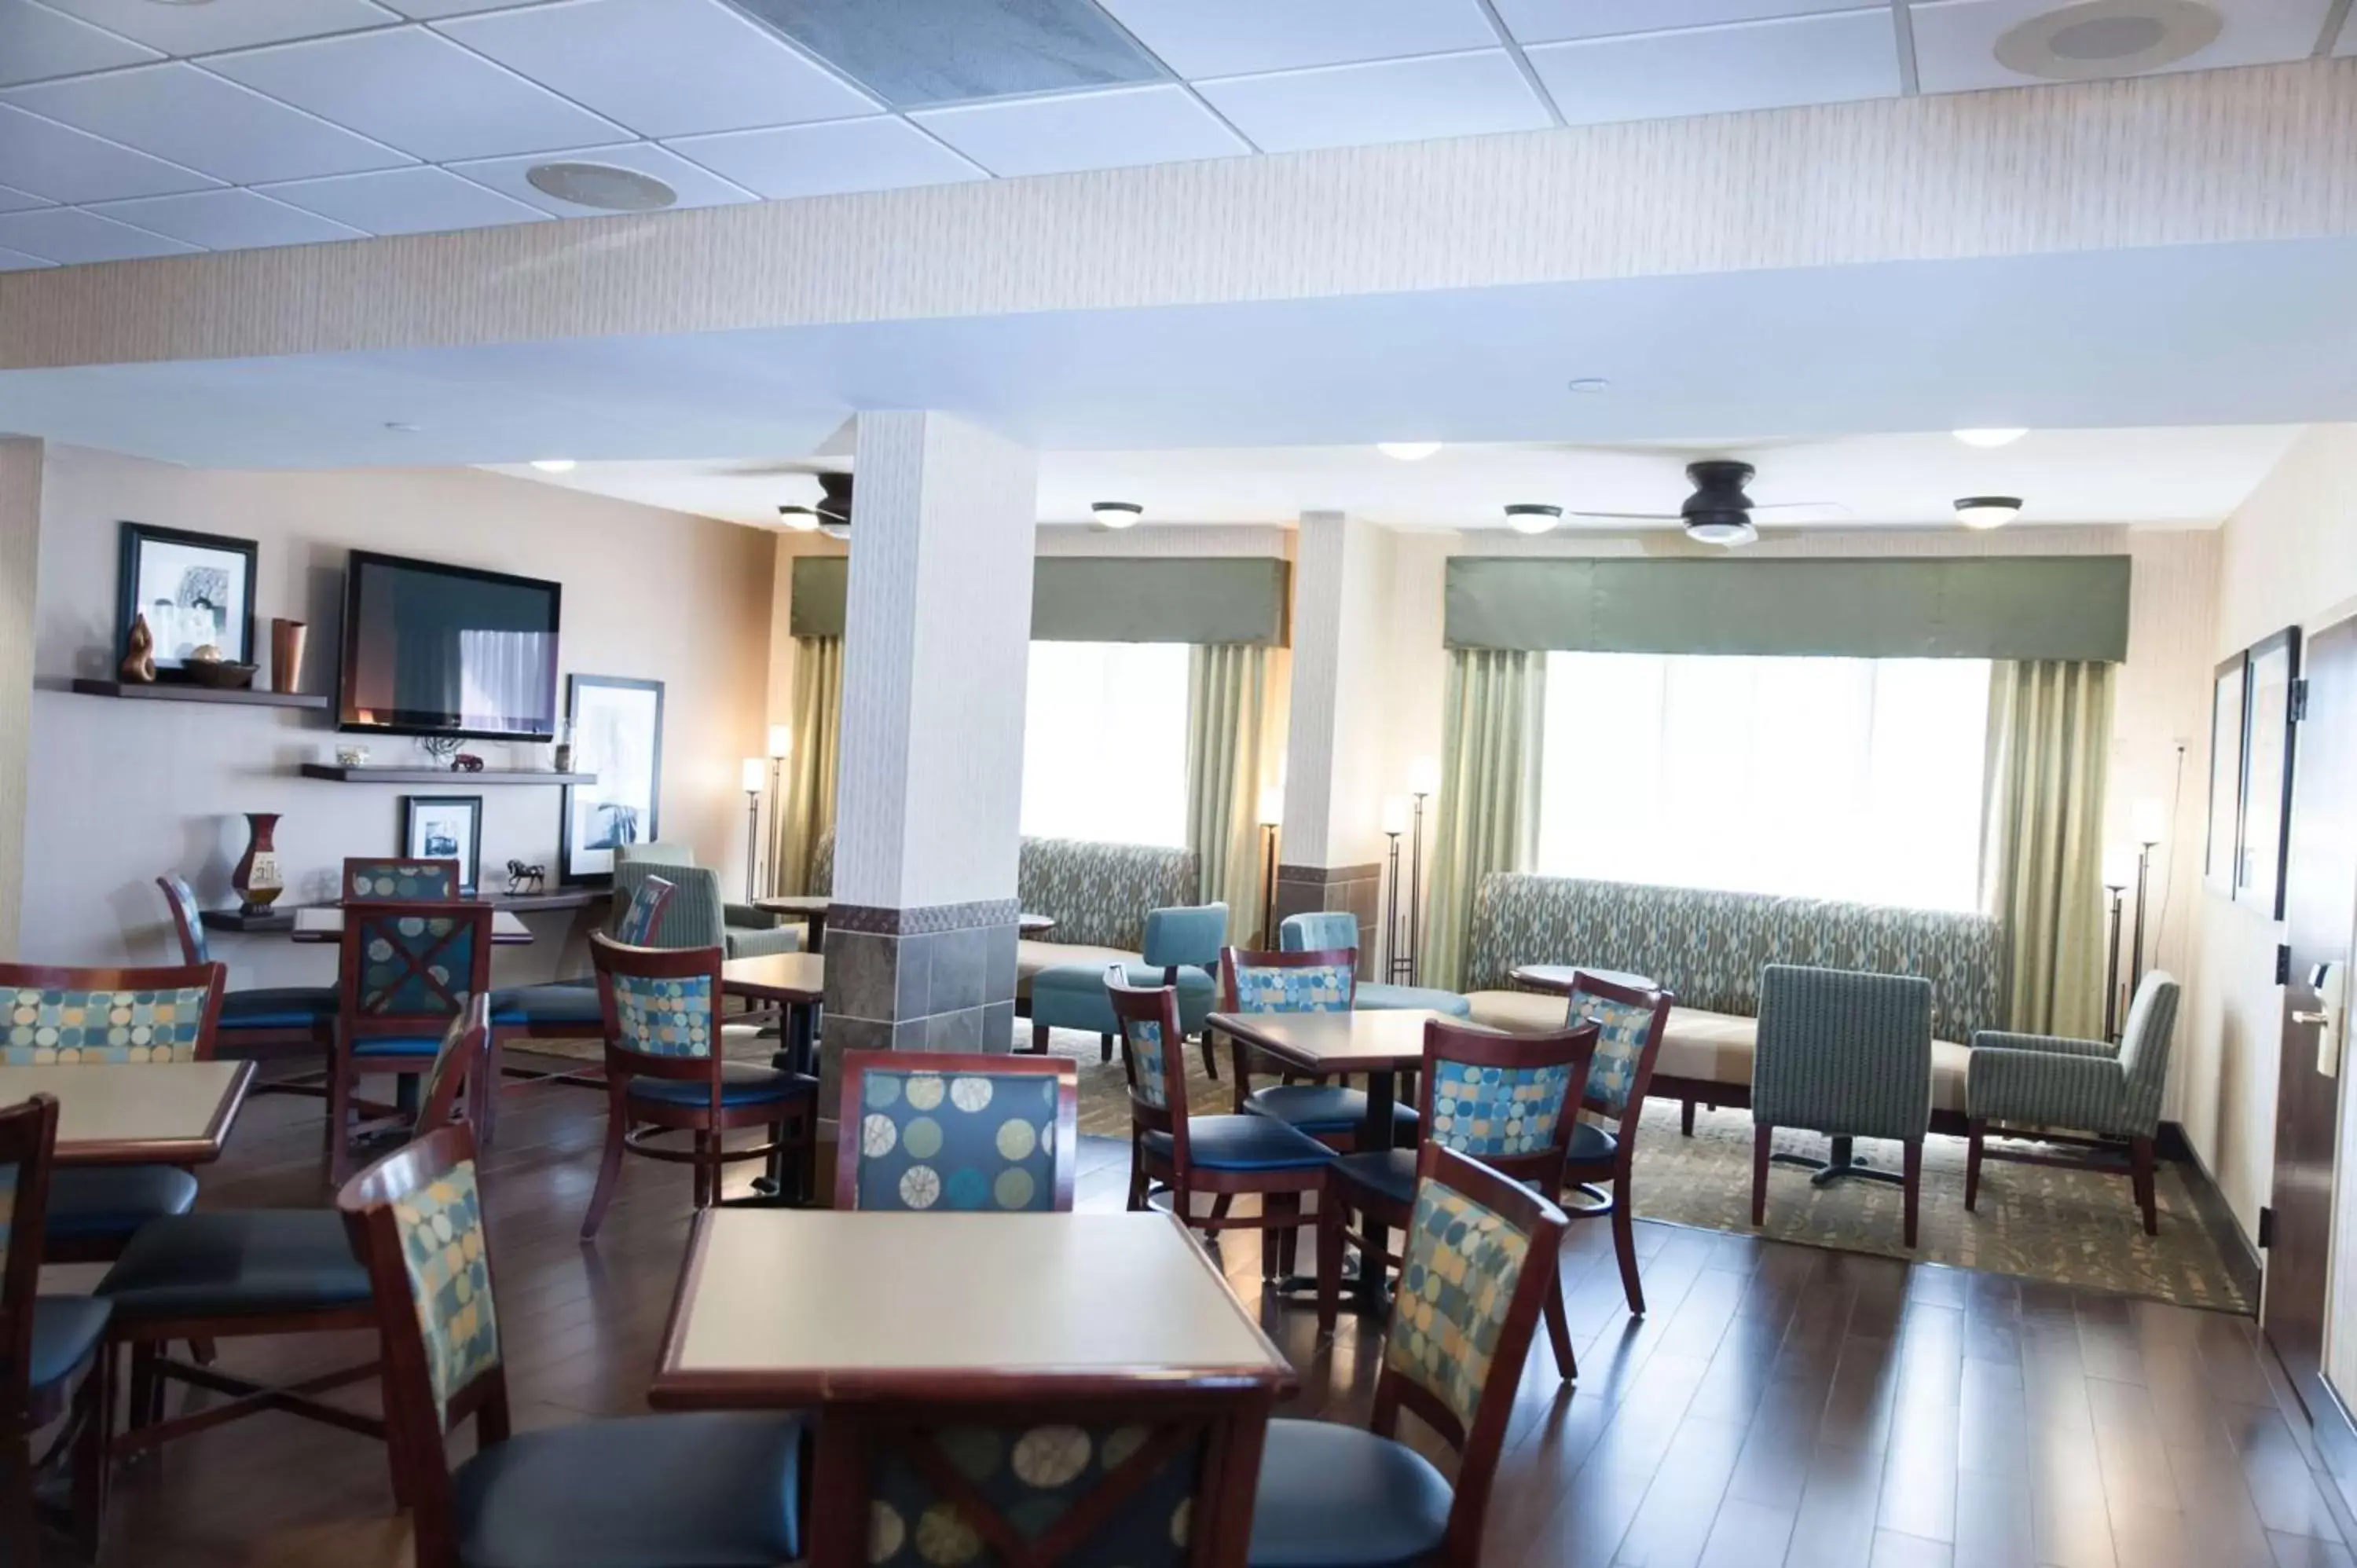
(92, 1201)
(717, 1490)
(397, 1046)
(1242, 1144)
(289, 1007)
(237, 1262)
(741, 1083)
(1317, 1108)
(1072, 996)
(1591, 1144)
(1388, 1174)
(1379, 997)
(66, 1329)
(1340, 1497)
(563, 1002)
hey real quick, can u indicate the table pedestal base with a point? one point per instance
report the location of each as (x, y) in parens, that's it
(1843, 1165)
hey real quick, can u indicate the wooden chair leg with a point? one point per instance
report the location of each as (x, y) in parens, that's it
(609, 1167)
(1558, 1327)
(1280, 1213)
(2147, 1199)
(1105, 1048)
(1914, 1186)
(487, 1107)
(1762, 1144)
(1210, 1061)
(1039, 1039)
(95, 1409)
(340, 1111)
(1685, 1116)
(139, 1408)
(1975, 1131)
(24, 1526)
(1329, 1261)
(1624, 1242)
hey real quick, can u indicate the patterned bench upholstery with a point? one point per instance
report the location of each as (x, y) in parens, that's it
(1709, 946)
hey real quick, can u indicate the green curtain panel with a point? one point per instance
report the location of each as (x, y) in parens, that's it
(1233, 691)
(2050, 739)
(1491, 740)
(809, 813)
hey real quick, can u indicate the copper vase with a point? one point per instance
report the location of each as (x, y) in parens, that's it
(286, 640)
(257, 878)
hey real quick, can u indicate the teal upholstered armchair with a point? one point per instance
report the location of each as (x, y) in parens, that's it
(1181, 945)
(698, 915)
(2044, 1082)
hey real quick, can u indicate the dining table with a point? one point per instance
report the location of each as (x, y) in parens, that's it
(325, 923)
(794, 983)
(135, 1113)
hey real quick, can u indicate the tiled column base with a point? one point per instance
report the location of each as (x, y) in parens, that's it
(934, 978)
(1357, 889)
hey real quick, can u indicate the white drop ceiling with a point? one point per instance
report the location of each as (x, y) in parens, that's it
(289, 121)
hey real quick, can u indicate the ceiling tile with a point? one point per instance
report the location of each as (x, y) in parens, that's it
(1712, 70)
(37, 42)
(1955, 40)
(17, 262)
(55, 161)
(13, 200)
(189, 29)
(1392, 101)
(433, 10)
(70, 236)
(1544, 21)
(879, 152)
(663, 68)
(228, 220)
(1126, 126)
(912, 52)
(697, 187)
(1236, 37)
(193, 117)
(405, 201)
(418, 91)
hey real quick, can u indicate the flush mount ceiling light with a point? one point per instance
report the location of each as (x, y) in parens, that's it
(1533, 516)
(1730, 529)
(1117, 514)
(800, 519)
(601, 186)
(1988, 511)
(1408, 451)
(1589, 384)
(1987, 438)
(2109, 38)
(553, 464)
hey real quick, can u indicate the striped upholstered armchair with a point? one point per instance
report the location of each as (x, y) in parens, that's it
(698, 916)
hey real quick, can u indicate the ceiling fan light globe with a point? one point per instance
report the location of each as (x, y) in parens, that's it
(1727, 531)
(1986, 513)
(1531, 519)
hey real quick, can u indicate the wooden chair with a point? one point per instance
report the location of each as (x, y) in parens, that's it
(405, 969)
(245, 1272)
(267, 1023)
(642, 1492)
(1508, 1100)
(118, 1016)
(1629, 1025)
(1482, 1252)
(1325, 980)
(1219, 1156)
(666, 1073)
(995, 1133)
(398, 879)
(55, 1363)
(569, 1009)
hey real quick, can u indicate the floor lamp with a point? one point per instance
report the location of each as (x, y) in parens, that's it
(1423, 780)
(1272, 812)
(2115, 887)
(752, 826)
(2149, 819)
(782, 747)
(1396, 963)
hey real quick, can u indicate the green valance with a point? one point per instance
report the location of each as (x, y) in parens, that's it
(1094, 599)
(2015, 606)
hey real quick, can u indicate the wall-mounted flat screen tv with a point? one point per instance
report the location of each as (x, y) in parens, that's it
(435, 650)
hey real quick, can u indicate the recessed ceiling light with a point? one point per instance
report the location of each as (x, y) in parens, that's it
(800, 519)
(1408, 451)
(2109, 38)
(1590, 385)
(401, 427)
(601, 186)
(1533, 516)
(1988, 511)
(1989, 438)
(1117, 514)
(553, 464)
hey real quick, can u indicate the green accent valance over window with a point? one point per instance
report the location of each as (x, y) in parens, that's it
(1098, 598)
(2015, 606)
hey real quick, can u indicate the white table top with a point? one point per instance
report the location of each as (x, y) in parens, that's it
(136, 1113)
(779, 1306)
(325, 922)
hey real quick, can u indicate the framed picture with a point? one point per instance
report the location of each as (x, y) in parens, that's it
(618, 735)
(2266, 771)
(445, 827)
(2225, 836)
(196, 590)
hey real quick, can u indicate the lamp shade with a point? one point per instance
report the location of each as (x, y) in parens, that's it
(1423, 776)
(1394, 814)
(1272, 806)
(754, 769)
(2148, 819)
(781, 741)
(2119, 866)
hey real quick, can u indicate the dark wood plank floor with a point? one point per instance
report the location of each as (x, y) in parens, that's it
(1780, 1407)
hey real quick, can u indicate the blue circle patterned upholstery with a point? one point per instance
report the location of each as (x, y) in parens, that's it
(1308, 988)
(969, 1141)
(1030, 1478)
(1463, 1262)
(1490, 1110)
(60, 1025)
(665, 1017)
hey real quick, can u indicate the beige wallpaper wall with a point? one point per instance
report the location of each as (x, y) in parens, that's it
(20, 553)
(119, 791)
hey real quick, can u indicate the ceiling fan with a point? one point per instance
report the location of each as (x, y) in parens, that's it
(1719, 513)
(832, 513)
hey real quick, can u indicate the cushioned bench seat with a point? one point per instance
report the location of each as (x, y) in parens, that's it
(1699, 1046)
(1031, 956)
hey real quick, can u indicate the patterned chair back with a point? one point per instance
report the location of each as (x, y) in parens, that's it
(1319, 931)
(407, 969)
(1629, 1025)
(662, 1012)
(975, 1133)
(398, 879)
(1477, 1262)
(1504, 1100)
(642, 916)
(89, 1015)
(1153, 1058)
(461, 1070)
(2143, 1048)
(188, 919)
(28, 1141)
(1843, 1053)
(415, 1219)
(1320, 981)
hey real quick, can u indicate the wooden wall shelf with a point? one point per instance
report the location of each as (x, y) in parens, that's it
(338, 773)
(280, 918)
(189, 693)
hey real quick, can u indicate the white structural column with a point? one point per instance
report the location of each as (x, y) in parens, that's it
(921, 936)
(1330, 848)
(20, 562)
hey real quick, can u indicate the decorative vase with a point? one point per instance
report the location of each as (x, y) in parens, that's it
(257, 878)
(286, 641)
(139, 656)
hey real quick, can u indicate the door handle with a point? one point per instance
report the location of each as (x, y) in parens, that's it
(2318, 1018)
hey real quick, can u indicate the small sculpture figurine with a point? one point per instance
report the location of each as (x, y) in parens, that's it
(139, 657)
(523, 878)
(466, 762)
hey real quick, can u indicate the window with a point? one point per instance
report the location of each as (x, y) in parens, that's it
(1104, 742)
(1855, 778)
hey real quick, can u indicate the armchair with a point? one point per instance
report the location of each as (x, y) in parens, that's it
(2043, 1081)
(700, 916)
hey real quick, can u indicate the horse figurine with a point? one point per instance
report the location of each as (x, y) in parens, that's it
(523, 878)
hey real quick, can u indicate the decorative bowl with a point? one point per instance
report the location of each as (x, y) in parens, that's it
(220, 674)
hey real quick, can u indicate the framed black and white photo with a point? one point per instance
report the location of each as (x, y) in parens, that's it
(445, 827)
(2267, 772)
(2219, 854)
(618, 735)
(196, 590)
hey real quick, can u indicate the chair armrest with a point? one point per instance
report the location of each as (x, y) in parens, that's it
(2050, 1044)
(2045, 1088)
(747, 917)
